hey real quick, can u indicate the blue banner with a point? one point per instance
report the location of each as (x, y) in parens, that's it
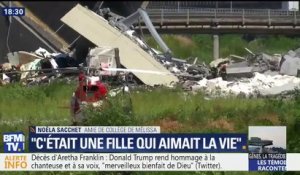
(267, 165)
(138, 143)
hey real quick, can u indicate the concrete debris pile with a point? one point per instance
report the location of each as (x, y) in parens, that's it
(102, 33)
(118, 45)
(256, 75)
(100, 58)
(261, 84)
(253, 75)
(178, 67)
(183, 70)
(290, 64)
(36, 67)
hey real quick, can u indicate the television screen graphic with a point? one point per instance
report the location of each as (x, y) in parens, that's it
(267, 148)
(149, 87)
(14, 142)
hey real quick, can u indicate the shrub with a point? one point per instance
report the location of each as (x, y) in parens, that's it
(115, 111)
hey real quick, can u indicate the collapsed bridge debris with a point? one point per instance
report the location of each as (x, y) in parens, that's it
(258, 75)
(101, 33)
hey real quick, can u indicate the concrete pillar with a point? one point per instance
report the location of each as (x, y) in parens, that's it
(216, 46)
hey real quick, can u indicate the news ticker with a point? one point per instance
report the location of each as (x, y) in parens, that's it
(135, 162)
(143, 148)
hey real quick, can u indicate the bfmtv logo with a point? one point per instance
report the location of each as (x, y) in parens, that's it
(14, 142)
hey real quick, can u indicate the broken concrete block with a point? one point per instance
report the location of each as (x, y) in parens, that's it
(260, 68)
(290, 65)
(266, 57)
(13, 58)
(291, 53)
(285, 57)
(239, 72)
(104, 57)
(239, 64)
(279, 89)
(276, 59)
(297, 52)
(6, 66)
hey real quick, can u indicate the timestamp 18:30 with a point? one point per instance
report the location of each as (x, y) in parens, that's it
(13, 11)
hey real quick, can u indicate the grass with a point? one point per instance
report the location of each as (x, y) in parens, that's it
(187, 112)
(45, 105)
(172, 109)
(201, 46)
(38, 102)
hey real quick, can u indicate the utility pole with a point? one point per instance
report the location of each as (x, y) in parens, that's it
(216, 46)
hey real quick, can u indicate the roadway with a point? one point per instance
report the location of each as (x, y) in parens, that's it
(224, 21)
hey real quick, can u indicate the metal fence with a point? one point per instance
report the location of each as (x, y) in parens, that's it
(216, 4)
(225, 12)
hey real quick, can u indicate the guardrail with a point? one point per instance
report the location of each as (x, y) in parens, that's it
(223, 12)
(243, 16)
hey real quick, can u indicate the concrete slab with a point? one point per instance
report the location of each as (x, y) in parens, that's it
(297, 52)
(290, 65)
(107, 57)
(98, 31)
(21, 57)
(239, 72)
(280, 89)
(291, 53)
(238, 64)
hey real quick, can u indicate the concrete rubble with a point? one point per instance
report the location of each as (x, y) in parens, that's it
(101, 33)
(104, 57)
(260, 84)
(180, 68)
(30, 67)
(239, 72)
(259, 75)
(251, 75)
(255, 75)
(290, 65)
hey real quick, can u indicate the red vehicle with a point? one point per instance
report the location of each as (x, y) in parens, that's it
(91, 91)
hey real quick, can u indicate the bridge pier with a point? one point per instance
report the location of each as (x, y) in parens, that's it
(216, 46)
